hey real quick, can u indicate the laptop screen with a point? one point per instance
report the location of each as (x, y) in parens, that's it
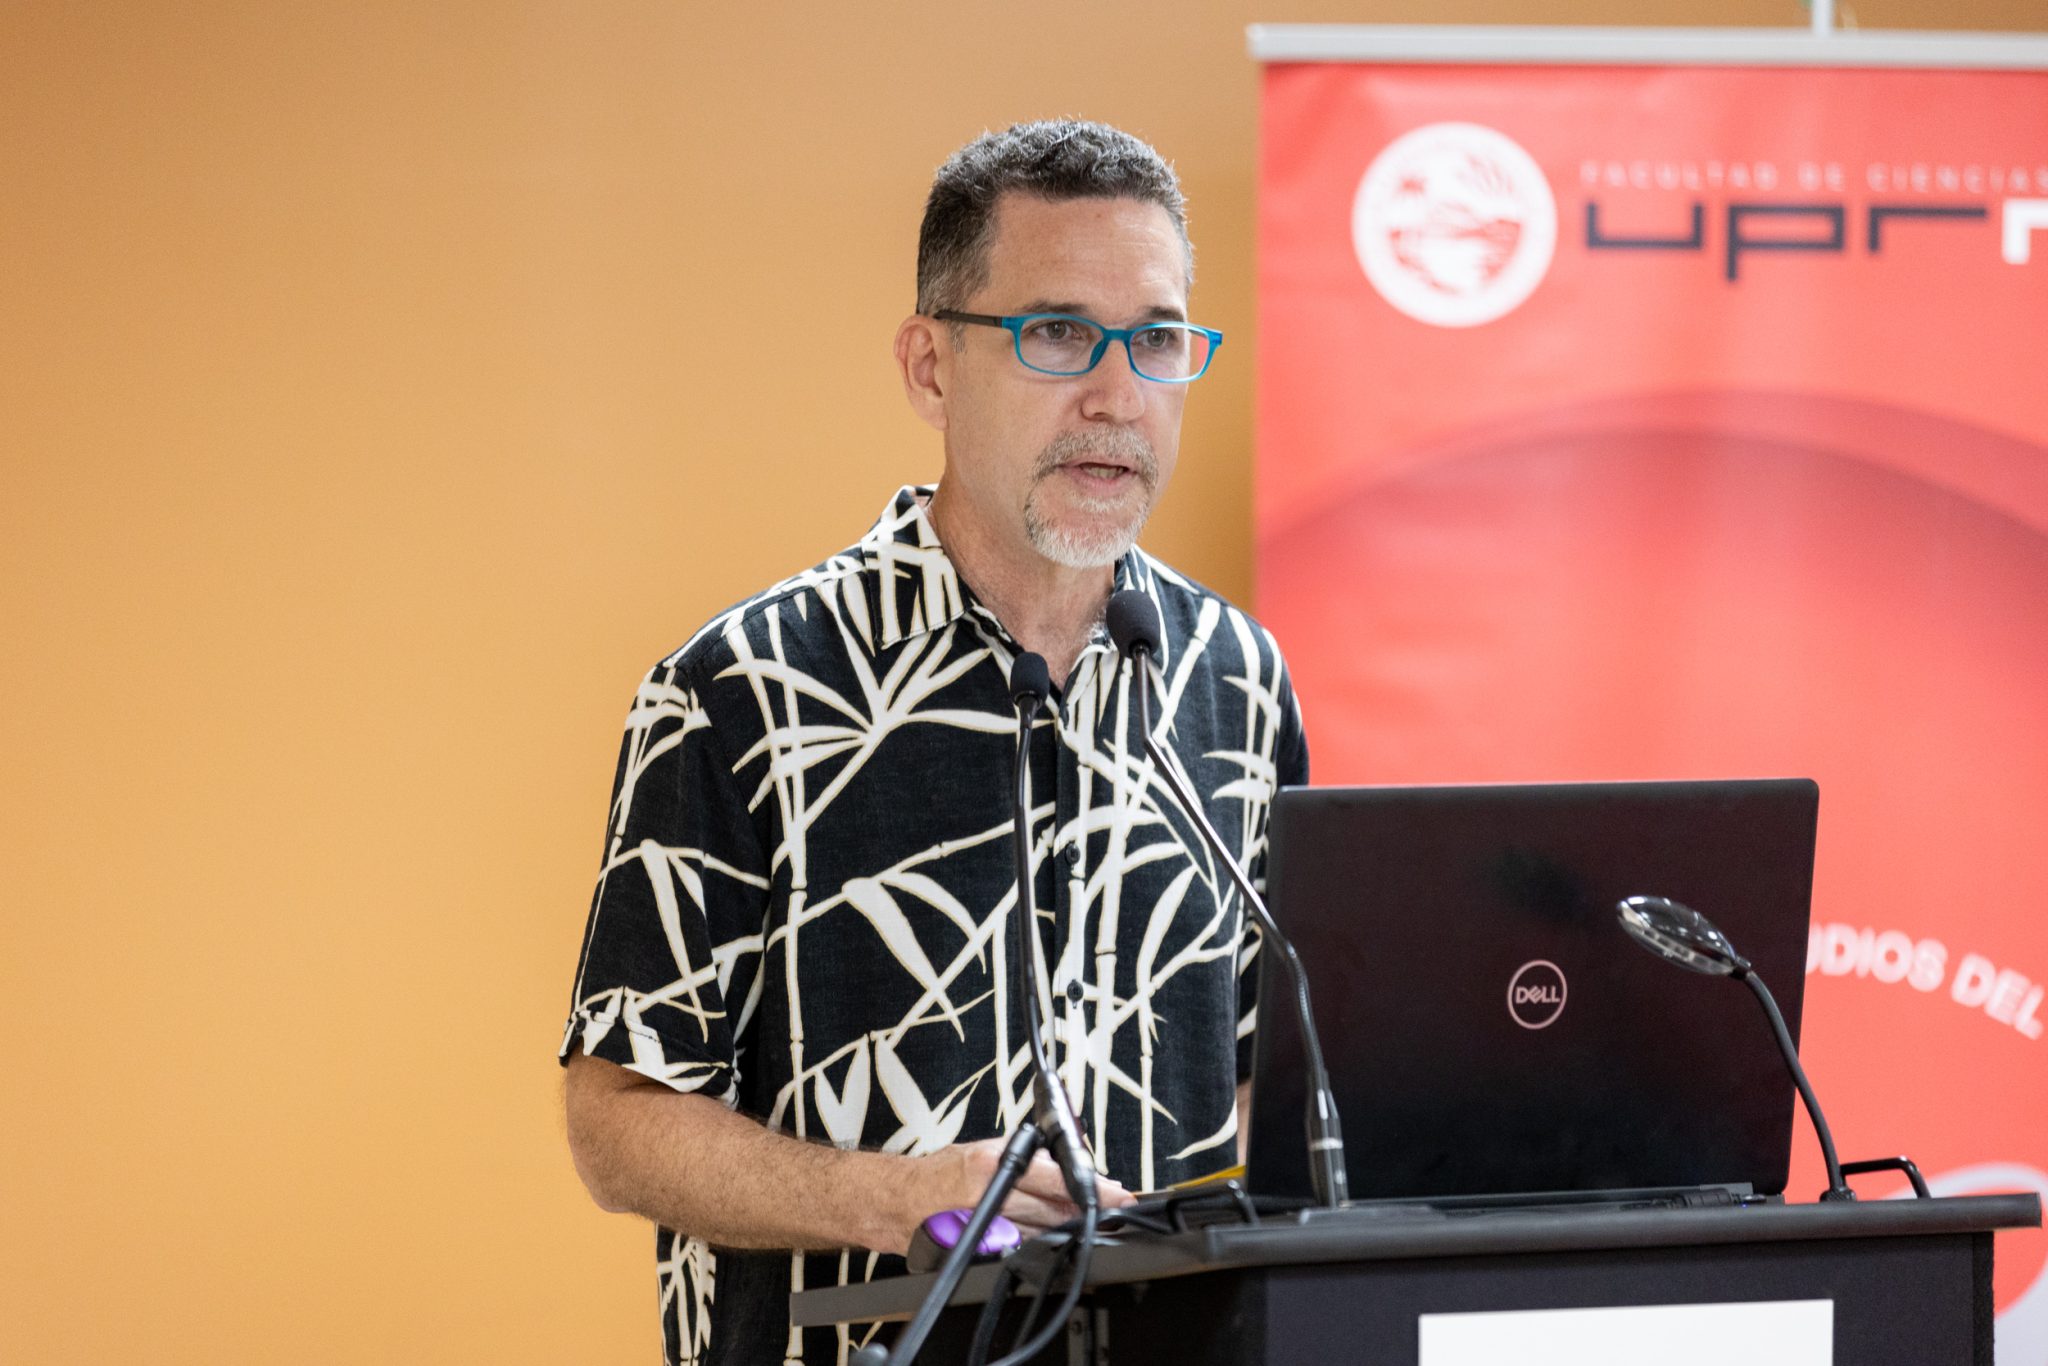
(1489, 1027)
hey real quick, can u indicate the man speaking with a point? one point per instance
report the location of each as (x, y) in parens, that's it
(792, 1033)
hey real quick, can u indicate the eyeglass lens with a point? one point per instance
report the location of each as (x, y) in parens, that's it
(1066, 346)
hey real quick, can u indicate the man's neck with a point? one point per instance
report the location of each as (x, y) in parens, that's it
(1046, 607)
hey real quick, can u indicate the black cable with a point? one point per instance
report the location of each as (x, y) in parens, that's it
(1009, 1280)
(1040, 1297)
(1059, 1261)
(1076, 1280)
(991, 1314)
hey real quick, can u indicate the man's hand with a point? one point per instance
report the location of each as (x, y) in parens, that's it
(1036, 1203)
(690, 1164)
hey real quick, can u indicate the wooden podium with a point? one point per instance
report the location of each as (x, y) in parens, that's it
(1908, 1281)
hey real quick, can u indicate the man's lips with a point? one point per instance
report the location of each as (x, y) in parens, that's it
(1098, 469)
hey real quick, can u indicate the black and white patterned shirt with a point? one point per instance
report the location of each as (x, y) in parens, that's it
(808, 872)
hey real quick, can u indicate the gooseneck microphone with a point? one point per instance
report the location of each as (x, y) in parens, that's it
(1052, 1111)
(1679, 934)
(1133, 620)
(1051, 1122)
(1030, 685)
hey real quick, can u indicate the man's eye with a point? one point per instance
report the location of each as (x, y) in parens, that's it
(1052, 330)
(1162, 339)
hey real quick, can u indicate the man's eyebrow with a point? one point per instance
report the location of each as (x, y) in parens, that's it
(1158, 313)
(1163, 313)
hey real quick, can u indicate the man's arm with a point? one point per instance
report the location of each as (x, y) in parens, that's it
(690, 1164)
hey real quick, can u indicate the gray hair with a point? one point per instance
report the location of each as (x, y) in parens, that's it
(1055, 159)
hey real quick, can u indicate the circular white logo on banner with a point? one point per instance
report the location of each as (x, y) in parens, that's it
(1536, 994)
(1454, 224)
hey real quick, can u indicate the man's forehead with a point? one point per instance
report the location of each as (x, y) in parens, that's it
(1068, 248)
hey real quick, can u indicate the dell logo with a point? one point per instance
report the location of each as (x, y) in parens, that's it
(1536, 994)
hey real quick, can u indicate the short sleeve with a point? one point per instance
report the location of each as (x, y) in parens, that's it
(675, 929)
(1290, 768)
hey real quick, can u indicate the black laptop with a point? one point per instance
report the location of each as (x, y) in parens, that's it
(1490, 1029)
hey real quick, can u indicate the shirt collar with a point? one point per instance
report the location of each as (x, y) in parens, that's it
(913, 587)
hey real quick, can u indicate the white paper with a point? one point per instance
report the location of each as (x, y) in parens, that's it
(1771, 1333)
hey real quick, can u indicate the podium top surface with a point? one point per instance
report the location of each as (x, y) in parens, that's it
(1370, 1233)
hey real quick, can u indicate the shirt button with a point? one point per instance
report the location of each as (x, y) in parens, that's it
(1074, 852)
(1074, 992)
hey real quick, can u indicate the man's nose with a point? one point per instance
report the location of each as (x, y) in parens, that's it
(1115, 392)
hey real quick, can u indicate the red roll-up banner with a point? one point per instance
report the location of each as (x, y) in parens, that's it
(1672, 421)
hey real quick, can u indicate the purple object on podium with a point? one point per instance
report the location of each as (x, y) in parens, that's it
(937, 1236)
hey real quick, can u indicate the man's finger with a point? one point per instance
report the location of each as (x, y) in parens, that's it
(1041, 1177)
(1035, 1215)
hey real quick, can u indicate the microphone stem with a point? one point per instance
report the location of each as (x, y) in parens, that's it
(1053, 1110)
(1026, 932)
(1838, 1188)
(1051, 1124)
(1325, 1135)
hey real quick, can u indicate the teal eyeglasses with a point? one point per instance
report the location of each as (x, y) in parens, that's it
(1066, 345)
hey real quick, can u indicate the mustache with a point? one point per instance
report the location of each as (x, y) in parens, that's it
(1118, 446)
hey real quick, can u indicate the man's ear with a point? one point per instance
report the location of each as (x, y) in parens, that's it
(921, 352)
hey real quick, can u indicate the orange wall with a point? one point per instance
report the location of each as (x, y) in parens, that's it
(382, 388)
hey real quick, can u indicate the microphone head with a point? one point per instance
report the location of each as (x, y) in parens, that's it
(1133, 621)
(1030, 680)
(1679, 934)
